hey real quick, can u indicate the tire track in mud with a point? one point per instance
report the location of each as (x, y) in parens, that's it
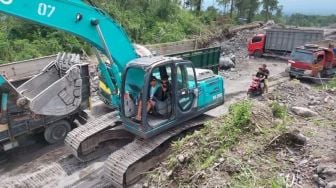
(49, 175)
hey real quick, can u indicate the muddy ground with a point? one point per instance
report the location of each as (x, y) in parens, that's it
(51, 165)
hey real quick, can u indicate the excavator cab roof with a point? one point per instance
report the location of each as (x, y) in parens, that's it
(149, 62)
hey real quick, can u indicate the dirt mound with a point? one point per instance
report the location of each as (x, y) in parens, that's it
(275, 147)
(295, 94)
(262, 115)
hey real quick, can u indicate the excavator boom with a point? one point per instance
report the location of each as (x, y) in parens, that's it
(80, 19)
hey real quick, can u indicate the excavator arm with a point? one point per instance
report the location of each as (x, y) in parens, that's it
(85, 21)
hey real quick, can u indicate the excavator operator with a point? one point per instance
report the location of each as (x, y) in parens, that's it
(157, 93)
(150, 102)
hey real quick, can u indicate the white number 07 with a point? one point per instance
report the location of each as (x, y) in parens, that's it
(45, 10)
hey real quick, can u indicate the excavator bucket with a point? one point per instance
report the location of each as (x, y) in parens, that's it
(57, 90)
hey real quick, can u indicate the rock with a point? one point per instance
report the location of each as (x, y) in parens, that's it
(291, 160)
(321, 182)
(326, 99)
(315, 178)
(221, 160)
(313, 103)
(169, 173)
(311, 98)
(304, 112)
(272, 97)
(181, 158)
(303, 162)
(320, 169)
(329, 171)
(331, 184)
(301, 139)
(257, 131)
(270, 23)
(145, 185)
(227, 62)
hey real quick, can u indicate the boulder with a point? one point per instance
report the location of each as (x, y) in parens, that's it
(304, 112)
(227, 62)
(331, 184)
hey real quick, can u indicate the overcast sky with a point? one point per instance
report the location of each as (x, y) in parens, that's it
(325, 7)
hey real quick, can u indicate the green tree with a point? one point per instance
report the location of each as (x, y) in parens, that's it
(145, 21)
(269, 6)
(247, 9)
(224, 4)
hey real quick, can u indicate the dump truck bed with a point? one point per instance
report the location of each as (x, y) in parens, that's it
(289, 39)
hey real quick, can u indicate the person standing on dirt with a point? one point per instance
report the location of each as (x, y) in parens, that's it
(266, 73)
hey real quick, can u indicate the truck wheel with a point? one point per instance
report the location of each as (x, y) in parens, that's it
(258, 53)
(57, 131)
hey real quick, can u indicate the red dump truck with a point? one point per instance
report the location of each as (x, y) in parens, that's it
(313, 61)
(280, 42)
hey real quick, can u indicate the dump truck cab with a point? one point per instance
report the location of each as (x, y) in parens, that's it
(191, 93)
(312, 61)
(256, 45)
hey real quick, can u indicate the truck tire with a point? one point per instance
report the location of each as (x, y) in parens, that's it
(57, 131)
(291, 76)
(258, 53)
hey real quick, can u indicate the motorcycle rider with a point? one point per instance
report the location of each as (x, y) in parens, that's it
(260, 74)
(266, 75)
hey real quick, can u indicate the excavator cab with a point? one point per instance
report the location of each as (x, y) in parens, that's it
(179, 103)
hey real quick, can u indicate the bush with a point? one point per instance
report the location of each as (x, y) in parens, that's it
(241, 113)
(278, 110)
(331, 84)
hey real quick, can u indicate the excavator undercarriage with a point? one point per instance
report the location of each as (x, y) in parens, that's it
(131, 156)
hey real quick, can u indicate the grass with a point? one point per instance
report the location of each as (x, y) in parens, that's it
(214, 138)
(205, 147)
(331, 83)
(328, 85)
(250, 177)
(279, 111)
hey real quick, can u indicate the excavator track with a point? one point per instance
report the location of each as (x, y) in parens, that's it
(87, 142)
(124, 166)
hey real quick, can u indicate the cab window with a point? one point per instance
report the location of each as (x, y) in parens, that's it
(319, 58)
(256, 39)
(185, 77)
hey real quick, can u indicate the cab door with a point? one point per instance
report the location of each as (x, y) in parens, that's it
(186, 89)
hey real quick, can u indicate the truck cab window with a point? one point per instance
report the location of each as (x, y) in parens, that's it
(256, 39)
(319, 58)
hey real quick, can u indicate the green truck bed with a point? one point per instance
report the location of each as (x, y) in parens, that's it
(207, 58)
